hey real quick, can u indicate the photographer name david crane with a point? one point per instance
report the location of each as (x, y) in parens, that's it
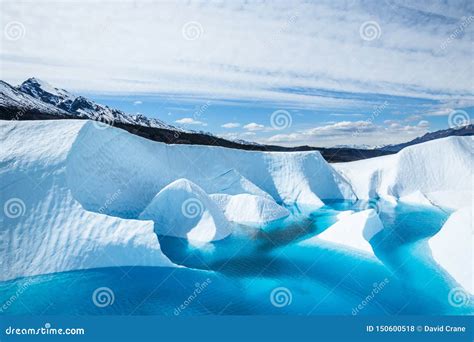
(444, 328)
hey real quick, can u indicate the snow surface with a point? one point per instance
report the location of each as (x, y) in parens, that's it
(441, 170)
(44, 228)
(452, 247)
(249, 209)
(183, 209)
(352, 231)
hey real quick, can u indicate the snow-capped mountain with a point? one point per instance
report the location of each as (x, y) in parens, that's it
(82, 107)
(15, 100)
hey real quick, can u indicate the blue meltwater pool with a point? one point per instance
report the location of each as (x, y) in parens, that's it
(264, 270)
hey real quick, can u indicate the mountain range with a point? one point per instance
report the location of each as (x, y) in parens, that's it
(35, 99)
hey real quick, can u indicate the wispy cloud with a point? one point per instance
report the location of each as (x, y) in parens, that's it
(440, 112)
(190, 121)
(275, 45)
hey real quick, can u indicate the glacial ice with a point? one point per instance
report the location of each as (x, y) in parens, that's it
(102, 161)
(452, 247)
(249, 209)
(441, 170)
(44, 228)
(353, 231)
(83, 186)
(183, 209)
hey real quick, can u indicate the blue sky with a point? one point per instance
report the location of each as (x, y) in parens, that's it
(319, 73)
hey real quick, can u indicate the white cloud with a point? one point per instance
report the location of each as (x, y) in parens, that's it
(190, 121)
(342, 127)
(253, 126)
(231, 125)
(254, 59)
(440, 112)
(136, 103)
(353, 132)
(423, 123)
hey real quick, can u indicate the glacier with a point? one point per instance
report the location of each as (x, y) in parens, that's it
(439, 170)
(44, 228)
(92, 195)
(91, 192)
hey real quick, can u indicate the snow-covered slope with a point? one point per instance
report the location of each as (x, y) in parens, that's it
(249, 209)
(44, 228)
(183, 209)
(440, 170)
(452, 247)
(352, 231)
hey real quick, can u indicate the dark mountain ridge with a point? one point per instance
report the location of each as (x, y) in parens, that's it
(37, 100)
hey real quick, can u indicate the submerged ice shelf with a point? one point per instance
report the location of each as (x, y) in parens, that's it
(104, 198)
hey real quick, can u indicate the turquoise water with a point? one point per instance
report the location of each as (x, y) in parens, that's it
(263, 270)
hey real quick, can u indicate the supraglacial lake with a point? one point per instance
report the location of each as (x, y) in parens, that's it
(261, 271)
